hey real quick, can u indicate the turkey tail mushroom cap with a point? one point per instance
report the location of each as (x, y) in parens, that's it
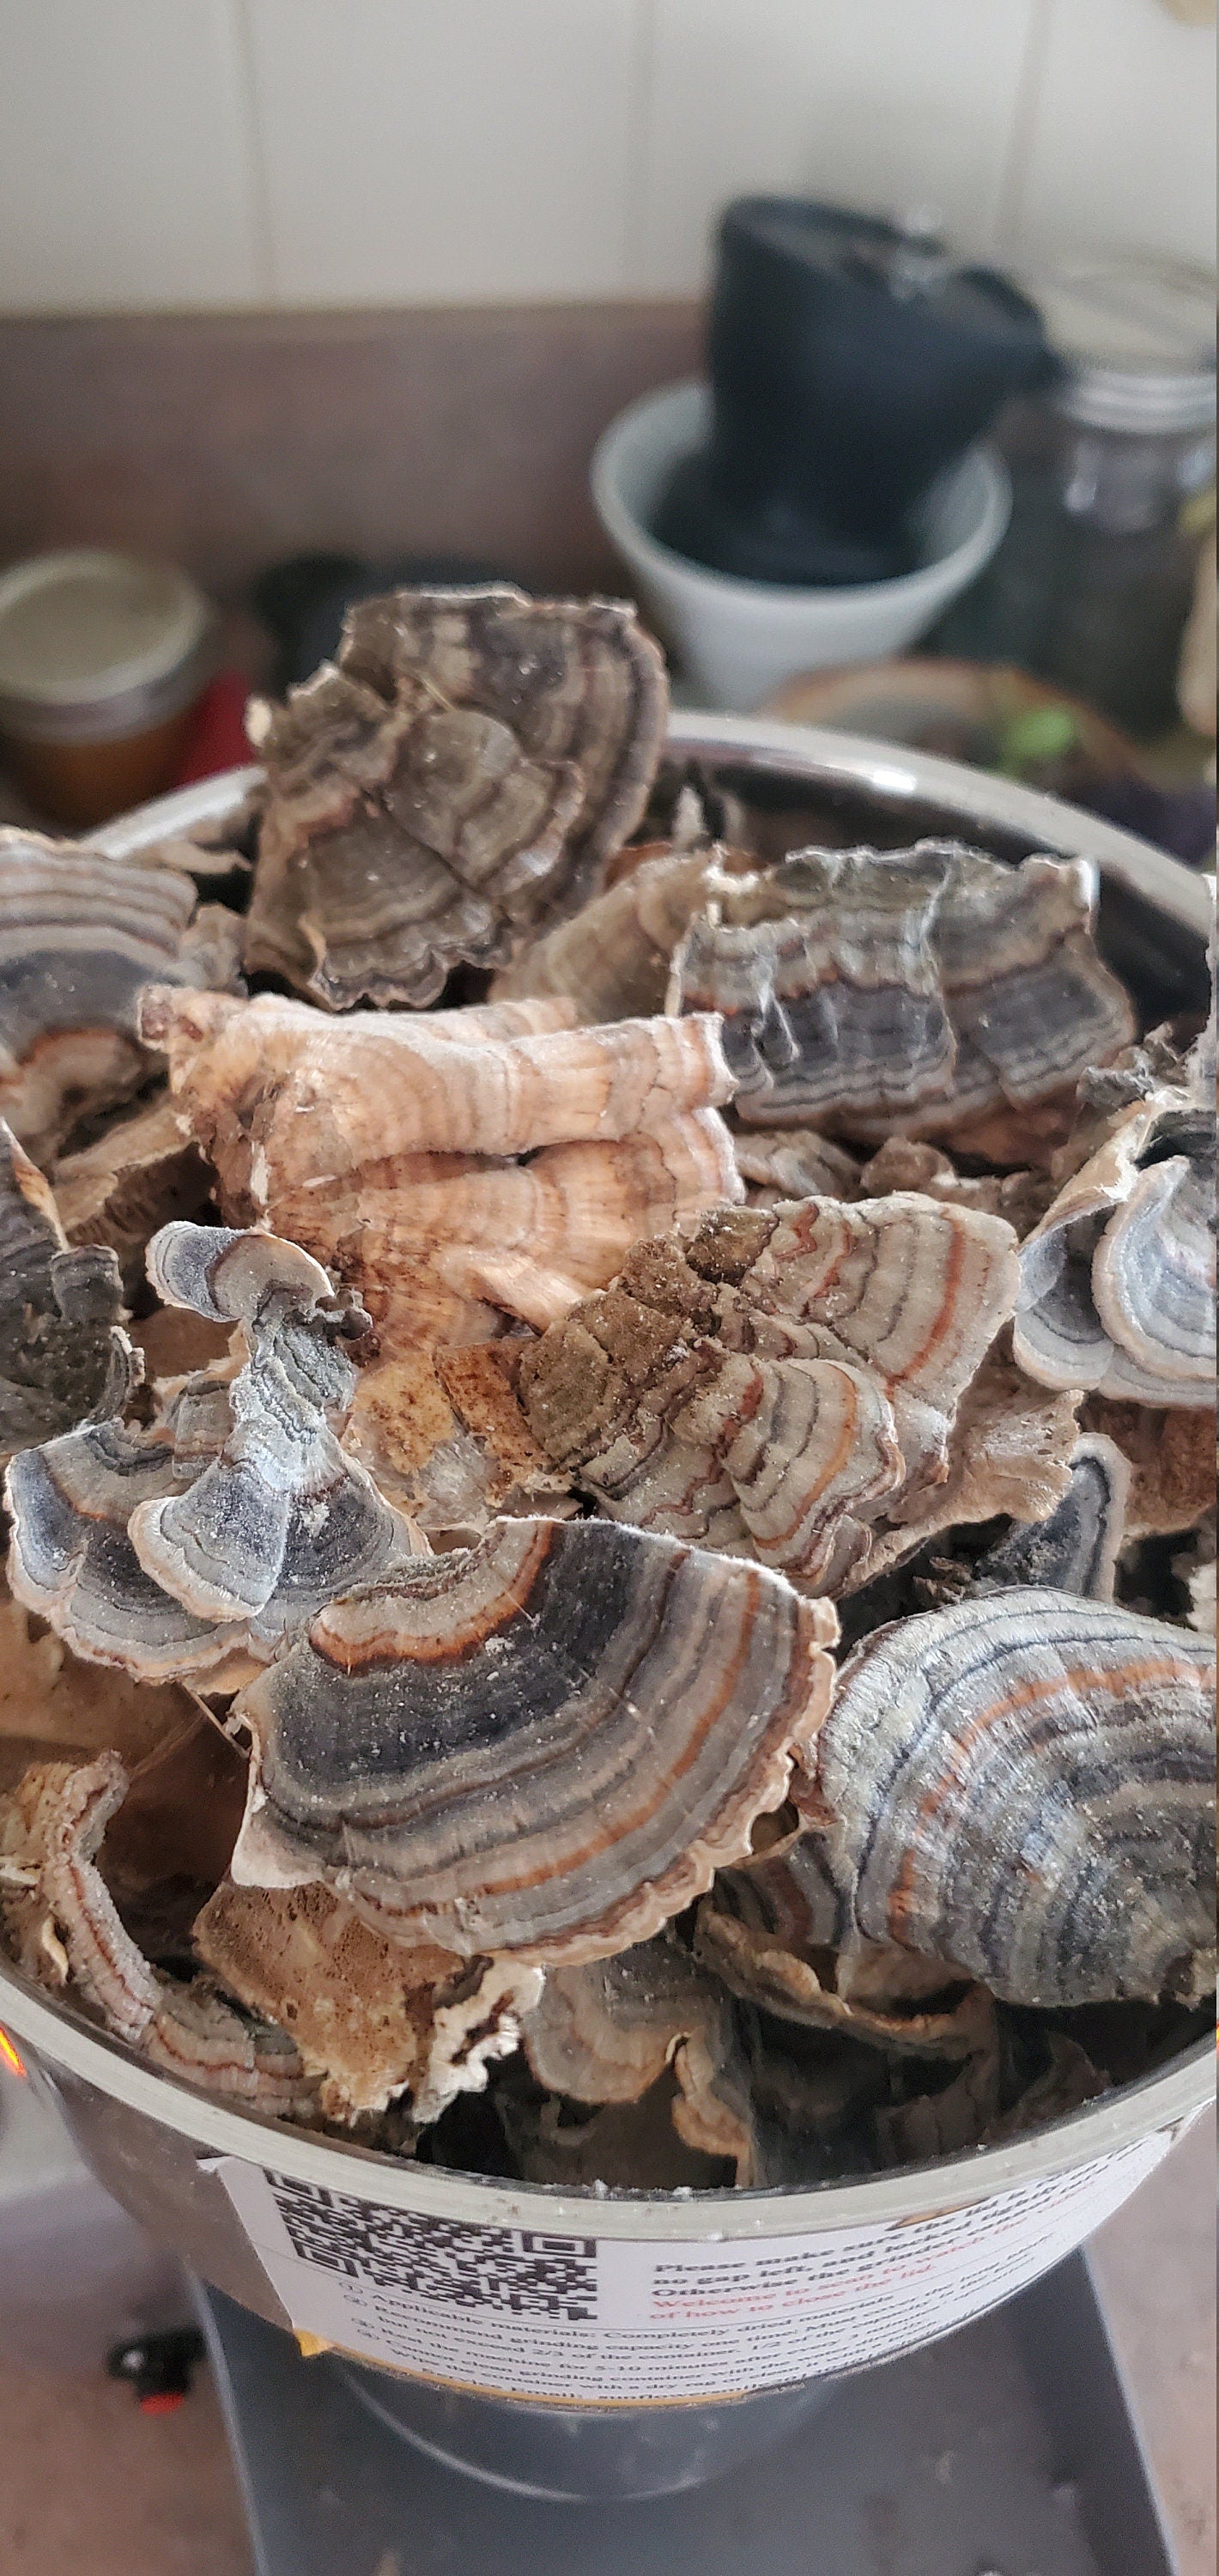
(174, 1549)
(1118, 1280)
(544, 1745)
(1023, 1787)
(473, 752)
(917, 990)
(80, 935)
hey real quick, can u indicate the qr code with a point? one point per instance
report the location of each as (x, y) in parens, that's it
(509, 2268)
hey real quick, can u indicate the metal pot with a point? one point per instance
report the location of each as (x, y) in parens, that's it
(556, 2333)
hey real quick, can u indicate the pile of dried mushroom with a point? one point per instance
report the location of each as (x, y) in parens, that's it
(612, 1580)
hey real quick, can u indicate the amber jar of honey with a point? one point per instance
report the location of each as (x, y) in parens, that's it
(102, 660)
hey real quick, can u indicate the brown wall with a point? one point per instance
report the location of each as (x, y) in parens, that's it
(226, 441)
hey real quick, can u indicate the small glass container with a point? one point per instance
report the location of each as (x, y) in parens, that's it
(102, 660)
(1113, 476)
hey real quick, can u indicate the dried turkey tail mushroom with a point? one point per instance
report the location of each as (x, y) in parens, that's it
(64, 1929)
(606, 2032)
(80, 935)
(1076, 1547)
(1022, 1788)
(372, 2020)
(544, 1745)
(613, 958)
(471, 753)
(175, 1550)
(140, 1175)
(930, 991)
(277, 1095)
(1118, 1280)
(759, 1933)
(64, 1356)
(775, 1385)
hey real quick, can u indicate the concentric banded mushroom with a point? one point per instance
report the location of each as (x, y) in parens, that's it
(771, 1386)
(63, 1354)
(472, 751)
(544, 1745)
(607, 2031)
(1022, 1788)
(173, 1550)
(761, 1935)
(383, 1144)
(1118, 1280)
(79, 935)
(917, 990)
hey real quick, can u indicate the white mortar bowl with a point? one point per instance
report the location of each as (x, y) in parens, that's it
(737, 640)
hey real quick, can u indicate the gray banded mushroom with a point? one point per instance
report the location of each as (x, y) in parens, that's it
(930, 991)
(64, 1356)
(544, 1745)
(472, 752)
(1118, 1280)
(776, 1385)
(1022, 1787)
(80, 935)
(174, 1551)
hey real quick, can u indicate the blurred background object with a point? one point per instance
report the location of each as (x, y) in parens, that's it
(735, 639)
(103, 659)
(1114, 477)
(851, 363)
(369, 284)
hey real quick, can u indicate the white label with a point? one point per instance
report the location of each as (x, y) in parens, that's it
(593, 2319)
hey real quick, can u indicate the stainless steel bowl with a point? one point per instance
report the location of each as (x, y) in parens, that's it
(480, 2286)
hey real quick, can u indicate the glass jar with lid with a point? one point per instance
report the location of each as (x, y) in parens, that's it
(102, 660)
(1113, 475)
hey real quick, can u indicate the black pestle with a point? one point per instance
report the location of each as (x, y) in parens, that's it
(850, 364)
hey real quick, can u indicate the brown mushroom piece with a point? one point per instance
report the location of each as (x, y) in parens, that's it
(916, 991)
(1010, 1452)
(372, 2020)
(80, 934)
(211, 1536)
(797, 1163)
(64, 1929)
(64, 1356)
(1118, 1280)
(444, 1435)
(545, 1745)
(1022, 1787)
(55, 1708)
(613, 957)
(606, 2032)
(770, 1386)
(760, 1933)
(136, 1178)
(472, 751)
(1171, 1455)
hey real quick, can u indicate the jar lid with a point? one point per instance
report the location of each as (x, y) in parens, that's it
(1139, 337)
(81, 632)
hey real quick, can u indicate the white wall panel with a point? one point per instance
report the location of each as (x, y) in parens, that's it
(434, 150)
(1121, 146)
(880, 104)
(126, 176)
